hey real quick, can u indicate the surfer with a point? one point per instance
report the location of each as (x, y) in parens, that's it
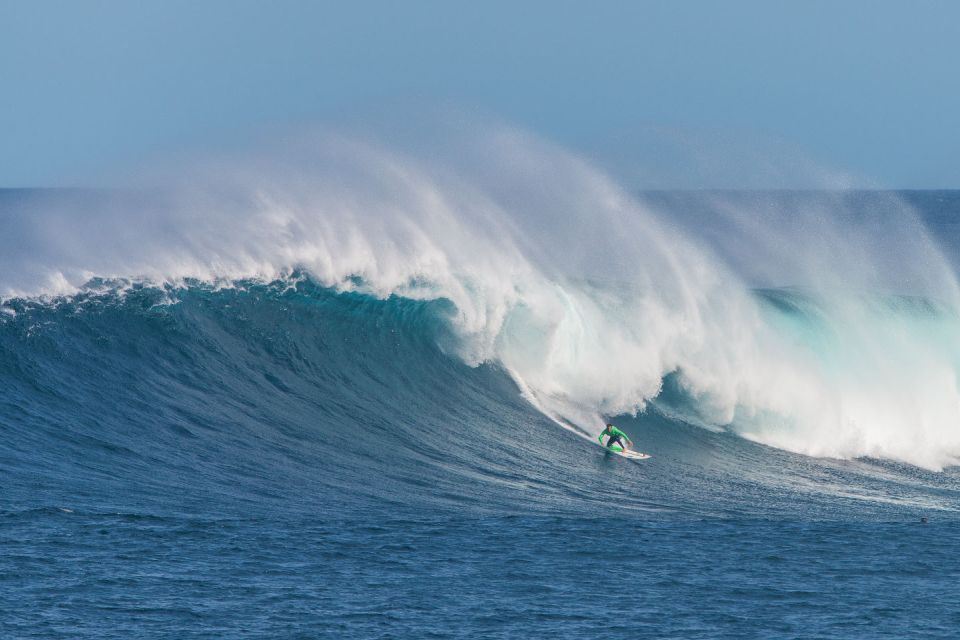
(616, 437)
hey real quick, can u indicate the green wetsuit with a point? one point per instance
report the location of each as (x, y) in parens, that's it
(615, 437)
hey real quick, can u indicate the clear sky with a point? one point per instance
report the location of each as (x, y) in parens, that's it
(871, 87)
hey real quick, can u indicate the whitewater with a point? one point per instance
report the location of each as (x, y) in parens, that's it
(346, 386)
(825, 327)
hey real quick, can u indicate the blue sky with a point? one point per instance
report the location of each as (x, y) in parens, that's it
(871, 88)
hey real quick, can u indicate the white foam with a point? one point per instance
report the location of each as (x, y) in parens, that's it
(586, 296)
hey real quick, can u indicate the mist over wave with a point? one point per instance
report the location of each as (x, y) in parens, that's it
(827, 327)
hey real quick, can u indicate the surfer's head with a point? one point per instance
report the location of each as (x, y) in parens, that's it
(609, 426)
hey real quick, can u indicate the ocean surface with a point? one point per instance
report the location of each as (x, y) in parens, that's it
(213, 429)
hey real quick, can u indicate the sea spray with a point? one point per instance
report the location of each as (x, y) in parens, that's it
(589, 296)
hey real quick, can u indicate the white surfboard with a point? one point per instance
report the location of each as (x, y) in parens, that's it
(633, 455)
(617, 449)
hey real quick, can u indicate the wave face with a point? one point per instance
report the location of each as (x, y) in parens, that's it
(368, 324)
(295, 396)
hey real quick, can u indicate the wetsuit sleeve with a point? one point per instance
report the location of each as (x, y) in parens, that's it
(617, 432)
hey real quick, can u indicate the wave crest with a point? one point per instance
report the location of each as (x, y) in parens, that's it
(588, 296)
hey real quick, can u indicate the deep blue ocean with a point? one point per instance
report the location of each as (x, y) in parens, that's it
(299, 455)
